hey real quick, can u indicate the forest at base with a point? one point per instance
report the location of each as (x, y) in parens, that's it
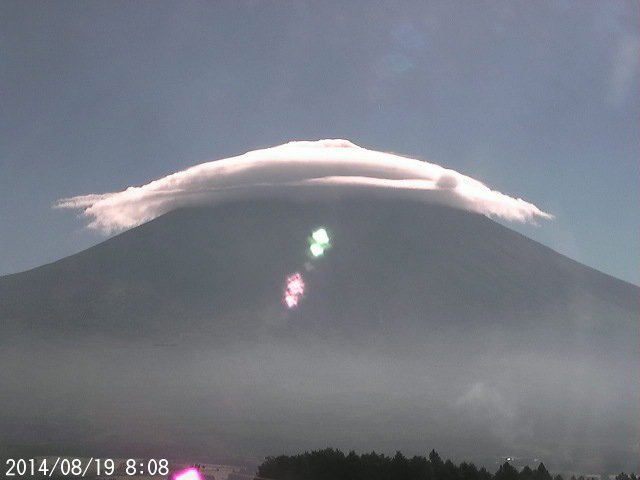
(332, 464)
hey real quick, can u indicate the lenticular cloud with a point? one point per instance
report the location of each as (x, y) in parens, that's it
(301, 170)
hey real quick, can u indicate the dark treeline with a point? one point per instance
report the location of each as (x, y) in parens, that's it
(330, 464)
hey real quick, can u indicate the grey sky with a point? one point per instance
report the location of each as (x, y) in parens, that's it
(536, 99)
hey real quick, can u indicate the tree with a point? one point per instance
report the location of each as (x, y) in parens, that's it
(506, 472)
(468, 471)
(400, 467)
(420, 468)
(434, 458)
(526, 473)
(332, 464)
(541, 473)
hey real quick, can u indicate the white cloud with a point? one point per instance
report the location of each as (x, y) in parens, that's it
(481, 398)
(302, 170)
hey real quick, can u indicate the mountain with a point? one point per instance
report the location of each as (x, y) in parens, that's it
(421, 327)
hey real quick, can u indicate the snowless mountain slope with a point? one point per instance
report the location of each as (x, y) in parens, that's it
(397, 260)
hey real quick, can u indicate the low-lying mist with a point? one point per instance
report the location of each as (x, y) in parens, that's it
(200, 397)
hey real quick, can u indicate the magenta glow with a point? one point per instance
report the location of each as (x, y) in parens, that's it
(293, 290)
(189, 474)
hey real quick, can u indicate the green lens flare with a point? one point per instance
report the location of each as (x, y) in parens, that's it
(321, 236)
(316, 249)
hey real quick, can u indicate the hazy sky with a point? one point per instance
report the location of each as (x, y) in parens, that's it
(538, 100)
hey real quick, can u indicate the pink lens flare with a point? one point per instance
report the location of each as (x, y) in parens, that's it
(189, 474)
(293, 290)
(291, 301)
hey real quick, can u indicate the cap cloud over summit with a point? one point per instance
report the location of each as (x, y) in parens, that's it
(301, 169)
